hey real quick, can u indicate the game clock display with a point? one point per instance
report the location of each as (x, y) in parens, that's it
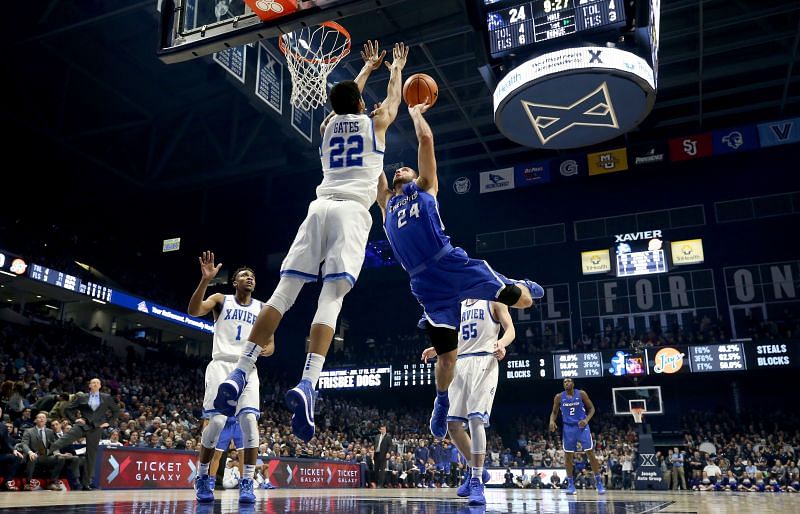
(520, 24)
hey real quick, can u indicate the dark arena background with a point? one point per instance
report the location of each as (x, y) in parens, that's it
(637, 159)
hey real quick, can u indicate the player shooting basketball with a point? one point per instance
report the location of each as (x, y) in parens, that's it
(441, 275)
(334, 233)
(576, 411)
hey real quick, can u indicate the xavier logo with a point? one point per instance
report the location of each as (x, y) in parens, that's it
(690, 146)
(462, 185)
(593, 110)
(734, 139)
(648, 459)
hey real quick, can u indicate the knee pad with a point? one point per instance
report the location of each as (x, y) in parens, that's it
(285, 294)
(249, 424)
(510, 294)
(330, 302)
(211, 433)
(477, 434)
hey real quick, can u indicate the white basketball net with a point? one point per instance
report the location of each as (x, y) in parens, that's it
(312, 53)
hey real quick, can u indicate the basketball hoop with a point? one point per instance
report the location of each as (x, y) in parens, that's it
(637, 413)
(312, 53)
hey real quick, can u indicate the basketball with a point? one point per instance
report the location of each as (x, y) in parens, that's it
(418, 87)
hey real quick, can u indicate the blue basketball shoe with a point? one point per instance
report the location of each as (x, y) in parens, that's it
(246, 494)
(463, 489)
(439, 416)
(229, 391)
(476, 496)
(300, 401)
(202, 491)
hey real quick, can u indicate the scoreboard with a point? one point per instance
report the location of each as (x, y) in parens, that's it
(520, 24)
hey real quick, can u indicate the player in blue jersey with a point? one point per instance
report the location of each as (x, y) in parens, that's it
(576, 411)
(441, 275)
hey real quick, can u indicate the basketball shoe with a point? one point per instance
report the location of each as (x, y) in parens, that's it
(246, 494)
(463, 489)
(202, 489)
(229, 391)
(300, 400)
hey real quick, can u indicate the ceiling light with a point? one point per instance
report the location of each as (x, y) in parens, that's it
(38, 296)
(98, 301)
(51, 307)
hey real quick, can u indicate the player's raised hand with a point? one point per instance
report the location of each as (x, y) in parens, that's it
(370, 54)
(553, 426)
(428, 353)
(399, 56)
(499, 351)
(207, 268)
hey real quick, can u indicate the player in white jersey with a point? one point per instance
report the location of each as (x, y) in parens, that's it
(333, 237)
(234, 316)
(472, 390)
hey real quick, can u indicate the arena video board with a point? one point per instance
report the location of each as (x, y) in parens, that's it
(104, 294)
(734, 356)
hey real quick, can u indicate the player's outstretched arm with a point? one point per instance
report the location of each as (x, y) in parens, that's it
(372, 61)
(509, 333)
(198, 306)
(589, 408)
(385, 115)
(428, 179)
(554, 413)
(383, 194)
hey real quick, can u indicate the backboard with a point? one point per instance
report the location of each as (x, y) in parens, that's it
(194, 28)
(626, 398)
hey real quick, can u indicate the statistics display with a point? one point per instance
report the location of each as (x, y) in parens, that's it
(413, 374)
(773, 355)
(539, 21)
(578, 365)
(717, 357)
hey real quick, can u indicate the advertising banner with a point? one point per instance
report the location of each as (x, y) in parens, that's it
(145, 468)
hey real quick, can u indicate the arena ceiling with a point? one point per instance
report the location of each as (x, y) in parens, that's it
(86, 93)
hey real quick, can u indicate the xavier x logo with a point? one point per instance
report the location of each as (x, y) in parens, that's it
(593, 110)
(648, 459)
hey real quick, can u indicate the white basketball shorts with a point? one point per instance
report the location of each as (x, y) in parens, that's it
(472, 390)
(333, 234)
(216, 373)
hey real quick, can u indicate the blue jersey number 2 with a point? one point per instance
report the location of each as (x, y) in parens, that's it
(352, 150)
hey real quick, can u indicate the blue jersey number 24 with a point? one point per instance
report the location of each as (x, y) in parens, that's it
(347, 153)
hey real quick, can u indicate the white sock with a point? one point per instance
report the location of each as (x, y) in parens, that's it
(314, 362)
(477, 472)
(250, 353)
(249, 470)
(202, 469)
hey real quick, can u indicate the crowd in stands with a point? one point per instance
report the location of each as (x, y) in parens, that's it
(42, 367)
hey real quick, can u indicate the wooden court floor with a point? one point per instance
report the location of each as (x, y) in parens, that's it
(391, 501)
